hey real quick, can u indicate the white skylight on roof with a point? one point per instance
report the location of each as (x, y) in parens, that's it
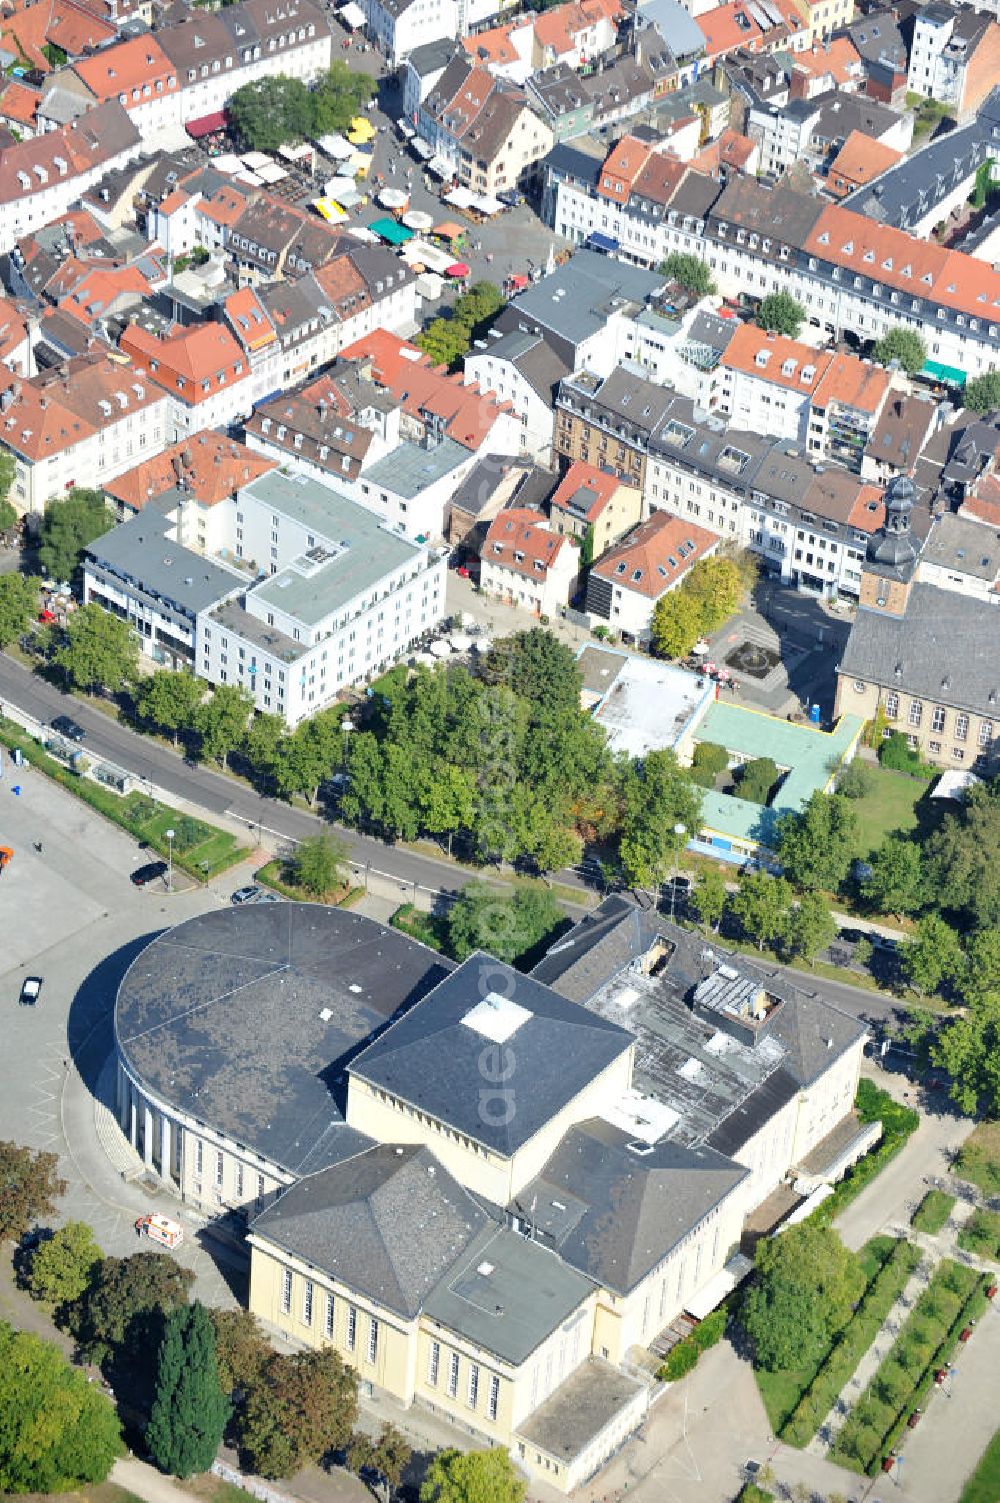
(496, 1018)
(691, 1069)
(644, 1118)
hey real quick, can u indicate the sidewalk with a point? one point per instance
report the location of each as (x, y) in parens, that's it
(146, 1482)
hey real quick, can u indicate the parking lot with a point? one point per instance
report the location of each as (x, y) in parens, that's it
(70, 915)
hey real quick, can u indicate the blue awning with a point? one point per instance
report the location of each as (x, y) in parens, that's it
(597, 241)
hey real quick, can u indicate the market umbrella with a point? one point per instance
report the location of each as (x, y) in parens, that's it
(458, 269)
(418, 220)
(393, 198)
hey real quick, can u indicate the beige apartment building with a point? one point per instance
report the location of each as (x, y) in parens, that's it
(490, 1192)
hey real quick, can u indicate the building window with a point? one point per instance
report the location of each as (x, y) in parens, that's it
(372, 1338)
(493, 1402)
(891, 705)
(916, 712)
(219, 1169)
(961, 727)
(453, 1376)
(199, 1156)
(473, 1384)
(260, 1189)
(239, 1181)
(434, 1363)
(352, 1327)
(307, 1303)
(328, 1323)
(286, 1291)
(859, 686)
(985, 732)
(937, 719)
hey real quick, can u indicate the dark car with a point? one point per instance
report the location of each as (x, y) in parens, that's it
(64, 726)
(148, 873)
(31, 990)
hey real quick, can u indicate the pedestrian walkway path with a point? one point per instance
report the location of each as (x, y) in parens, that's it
(872, 1359)
(146, 1482)
(119, 1150)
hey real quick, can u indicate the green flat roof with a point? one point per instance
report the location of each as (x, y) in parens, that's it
(810, 755)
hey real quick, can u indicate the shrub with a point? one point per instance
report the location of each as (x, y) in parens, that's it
(710, 1330)
(898, 1122)
(680, 1360)
(895, 754)
(981, 1234)
(932, 1212)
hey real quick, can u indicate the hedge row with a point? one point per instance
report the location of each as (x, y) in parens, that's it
(905, 1376)
(898, 1123)
(932, 1212)
(852, 1343)
(682, 1357)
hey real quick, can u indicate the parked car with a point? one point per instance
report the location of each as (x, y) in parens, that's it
(245, 895)
(64, 726)
(31, 990)
(143, 875)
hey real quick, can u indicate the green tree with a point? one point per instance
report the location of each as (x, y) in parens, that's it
(241, 1349)
(304, 1406)
(537, 666)
(708, 762)
(62, 1266)
(67, 527)
(98, 652)
(676, 623)
(271, 112)
(445, 340)
(968, 1047)
(904, 345)
(805, 1291)
(310, 755)
(8, 512)
(710, 897)
(856, 779)
(170, 700)
(189, 1412)
(124, 1305)
(58, 1432)
(811, 927)
(779, 313)
(658, 798)
(587, 546)
(473, 1477)
(29, 1188)
(18, 603)
(319, 863)
(960, 858)
(757, 778)
(982, 393)
(504, 923)
(817, 845)
(934, 956)
(222, 720)
(8, 472)
(388, 1454)
(264, 744)
(690, 272)
(896, 884)
(761, 906)
(337, 97)
(980, 977)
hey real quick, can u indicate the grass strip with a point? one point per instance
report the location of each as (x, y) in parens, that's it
(933, 1211)
(981, 1235)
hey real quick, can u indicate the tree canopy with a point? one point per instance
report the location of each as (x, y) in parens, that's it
(126, 1300)
(690, 272)
(757, 779)
(169, 700)
(62, 1265)
(221, 721)
(508, 924)
(658, 798)
(817, 845)
(904, 345)
(98, 651)
(189, 1412)
(304, 1406)
(897, 882)
(960, 858)
(779, 313)
(273, 112)
(761, 906)
(18, 604)
(319, 863)
(446, 340)
(58, 1432)
(982, 393)
(473, 1477)
(29, 1188)
(712, 590)
(806, 1287)
(67, 527)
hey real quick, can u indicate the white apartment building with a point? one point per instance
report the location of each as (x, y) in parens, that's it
(523, 370)
(523, 562)
(79, 426)
(343, 599)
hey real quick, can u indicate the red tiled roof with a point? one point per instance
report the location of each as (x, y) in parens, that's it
(193, 362)
(420, 387)
(589, 488)
(772, 357)
(55, 411)
(19, 103)
(212, 467)
(868, 512)
(249, 320)
(127, 69)
(655, 555)
(518, 539)
(858, 161)
(856, 383)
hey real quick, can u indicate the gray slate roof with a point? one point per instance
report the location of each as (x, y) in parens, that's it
(614, 1214)
(574, 301)
(432, 1059)
(944, 649)
(389, 1221)
(507, 1294)
(140, 550)
(221, 1017)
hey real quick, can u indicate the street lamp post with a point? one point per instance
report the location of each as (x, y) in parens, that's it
(680, 831)
(170, 859)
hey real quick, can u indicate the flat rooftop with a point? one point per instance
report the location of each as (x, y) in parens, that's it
(252, 629)
(139, 552)
(580, 1409)
(641, 705)
(246, 1018)
(362, 549)
(410, 468)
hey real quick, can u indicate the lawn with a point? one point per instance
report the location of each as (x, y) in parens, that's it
(932, 1212)
(430, 928)
(890, 805)
(275, 874)
(102, 1492)
(984, 1484)
(979, 1158)
(981, 1235)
